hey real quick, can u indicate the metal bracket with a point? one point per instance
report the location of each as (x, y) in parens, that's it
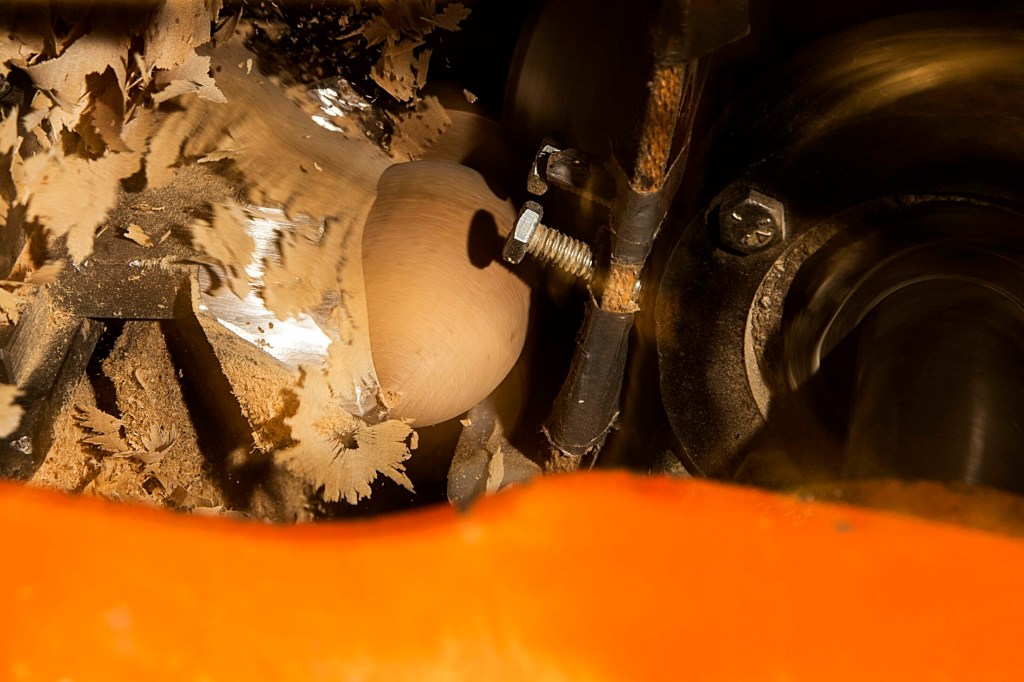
(571, 170)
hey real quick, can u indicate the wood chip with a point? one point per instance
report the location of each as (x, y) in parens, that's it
(138, 235)
(495, 471)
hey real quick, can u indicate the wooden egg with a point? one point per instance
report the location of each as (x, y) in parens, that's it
(447, 317)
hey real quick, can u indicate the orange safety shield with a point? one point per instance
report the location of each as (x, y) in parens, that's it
(583, 577)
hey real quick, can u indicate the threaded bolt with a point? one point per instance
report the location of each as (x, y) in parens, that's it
(547, 245)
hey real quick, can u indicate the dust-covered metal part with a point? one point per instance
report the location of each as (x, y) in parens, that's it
(869, 174)
(124, 280)
(485, 459)
(588, 404)
(536, 181)
(572, 170)
(749, 221)
(46, 353)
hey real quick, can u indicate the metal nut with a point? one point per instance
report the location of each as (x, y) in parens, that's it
(751, 221)
(518, 242)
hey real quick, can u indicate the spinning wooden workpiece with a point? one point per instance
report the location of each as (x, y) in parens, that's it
(447, 318)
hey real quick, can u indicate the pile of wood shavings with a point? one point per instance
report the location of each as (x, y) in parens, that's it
(126, 97)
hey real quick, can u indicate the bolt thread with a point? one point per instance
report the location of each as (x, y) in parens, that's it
(562, 251)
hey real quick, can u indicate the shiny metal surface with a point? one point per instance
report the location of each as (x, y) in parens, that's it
(301, 341)
(940, 386)
(295, 342)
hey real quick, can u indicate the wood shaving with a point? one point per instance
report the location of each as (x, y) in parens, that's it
(64, 78)
(46, 273)
(339, 454)
(191, 76)
(228, 243)
(21, 45)
(155, 443)
(138, 235)
(105, 430)
(10, 411)
(106, 117)
(400, 29)
(226, 30)
(165, 148)
(398, 72)
(415, 132)
(218, 155)
(495, 471)
(178, 27)
(308, 269)
(9, 138)
(451, 16)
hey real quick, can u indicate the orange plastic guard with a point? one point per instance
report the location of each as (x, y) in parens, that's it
(586, 577)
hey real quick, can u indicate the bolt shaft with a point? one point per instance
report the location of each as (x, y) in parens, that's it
(562, 251)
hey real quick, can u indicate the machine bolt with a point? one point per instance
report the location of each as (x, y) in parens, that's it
(546, 244)
(751, 221)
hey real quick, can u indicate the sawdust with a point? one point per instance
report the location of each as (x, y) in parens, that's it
(620, 289)
(263, 387)
(71, 464)
(148, 452)
(149, 400)
(10, 411)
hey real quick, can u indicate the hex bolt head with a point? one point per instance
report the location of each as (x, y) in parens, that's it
(518, 241)
(751, 221)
